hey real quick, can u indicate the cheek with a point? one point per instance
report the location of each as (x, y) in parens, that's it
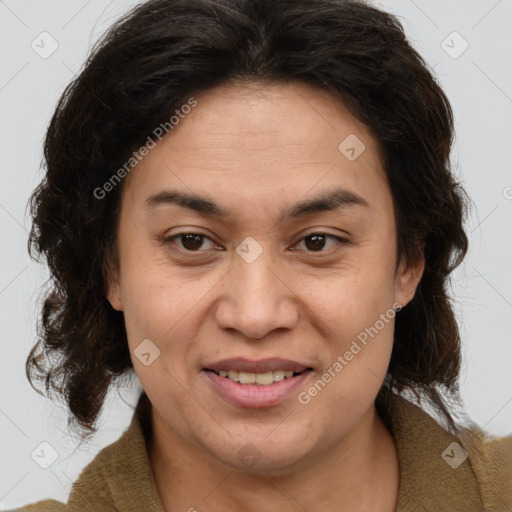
(354, 310)
(351, 297)
(155, 294)
(167, 306)
(359, 350)
(160, 314)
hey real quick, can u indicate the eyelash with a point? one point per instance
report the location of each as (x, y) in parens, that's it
(170, 240)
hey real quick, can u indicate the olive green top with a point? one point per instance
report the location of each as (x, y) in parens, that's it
(439, 472)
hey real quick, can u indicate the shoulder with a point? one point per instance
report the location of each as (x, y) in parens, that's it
(491, 461)
(42, 506)
(94, 487)
(119, 478)
(469, 469)
(57, 506)
(97, 488)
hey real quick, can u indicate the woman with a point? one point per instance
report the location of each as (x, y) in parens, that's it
(249, 204)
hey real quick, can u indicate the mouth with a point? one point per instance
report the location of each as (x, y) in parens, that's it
(259, 379)
(256, 384)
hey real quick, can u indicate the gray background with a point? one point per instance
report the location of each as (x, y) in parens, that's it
(479, 85)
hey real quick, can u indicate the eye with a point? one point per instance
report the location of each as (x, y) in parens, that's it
(190, 242)
(315, 242)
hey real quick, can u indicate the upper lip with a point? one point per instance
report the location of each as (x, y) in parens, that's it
(262, 366)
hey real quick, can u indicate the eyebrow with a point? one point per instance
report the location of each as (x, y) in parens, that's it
(326, 201)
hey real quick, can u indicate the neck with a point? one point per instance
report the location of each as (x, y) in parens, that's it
(360, 473)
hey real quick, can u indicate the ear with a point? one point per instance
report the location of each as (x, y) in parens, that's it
(114, 297)
(407, 279)
(113, 293)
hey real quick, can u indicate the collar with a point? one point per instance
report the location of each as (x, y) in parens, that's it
(121, 473)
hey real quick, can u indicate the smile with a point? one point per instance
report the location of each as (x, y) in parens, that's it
(256, 384)
(260, 379)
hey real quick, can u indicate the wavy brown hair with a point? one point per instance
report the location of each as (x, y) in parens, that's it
(143, 69)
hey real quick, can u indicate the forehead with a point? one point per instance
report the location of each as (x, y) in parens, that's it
(255, 140)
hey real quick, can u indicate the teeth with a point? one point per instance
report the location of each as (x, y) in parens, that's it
(246, 378)
(279, 375)
(263, 379)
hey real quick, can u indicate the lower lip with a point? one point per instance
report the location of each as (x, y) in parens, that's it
(254, 395)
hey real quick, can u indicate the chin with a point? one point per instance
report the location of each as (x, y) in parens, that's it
(264, 452)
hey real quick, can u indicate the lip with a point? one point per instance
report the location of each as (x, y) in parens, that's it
(254, 395)
(271, 364)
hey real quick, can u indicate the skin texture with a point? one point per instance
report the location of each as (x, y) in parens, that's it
(255, 151)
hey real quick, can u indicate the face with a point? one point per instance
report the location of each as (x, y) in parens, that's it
(267, 271)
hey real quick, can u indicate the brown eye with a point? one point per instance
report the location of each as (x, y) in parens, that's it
(191, 242)
(315, 242)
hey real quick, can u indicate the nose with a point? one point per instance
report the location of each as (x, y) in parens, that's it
(257, 298)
